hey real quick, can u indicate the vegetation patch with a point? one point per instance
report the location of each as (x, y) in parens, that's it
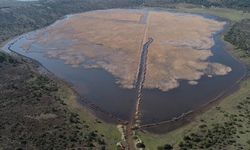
(33, 114)
(236, 4)
(225, 126)
(239, 36)
(20, 17)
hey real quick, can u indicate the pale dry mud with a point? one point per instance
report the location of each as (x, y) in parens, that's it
(180, 50)
(112, 40)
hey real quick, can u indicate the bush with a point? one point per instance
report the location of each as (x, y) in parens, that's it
(168, 147)
(239, 36)
(248, 142)
(140, 145)
(165, 147)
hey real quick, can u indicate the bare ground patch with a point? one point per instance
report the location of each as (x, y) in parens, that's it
(112, 40)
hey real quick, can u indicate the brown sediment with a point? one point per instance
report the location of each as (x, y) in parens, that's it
(102, 55)
(181, 49)
(112, 39)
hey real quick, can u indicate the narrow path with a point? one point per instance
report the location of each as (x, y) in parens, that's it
(134, 123)
(135, 119)
(141, 72)
(140, 80)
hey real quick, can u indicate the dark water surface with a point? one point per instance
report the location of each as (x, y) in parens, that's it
(98, 86)
(165, 105)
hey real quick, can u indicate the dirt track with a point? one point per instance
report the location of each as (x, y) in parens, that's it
(135, 119)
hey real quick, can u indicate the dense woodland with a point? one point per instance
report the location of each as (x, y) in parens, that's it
(239, 35)
(34, 116)
(33, 112)
(238, 4)
(17, 18)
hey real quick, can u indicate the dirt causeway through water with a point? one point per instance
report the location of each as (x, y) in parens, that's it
(100, 54)
(140, 79)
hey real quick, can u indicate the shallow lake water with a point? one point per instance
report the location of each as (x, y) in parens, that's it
(99, 87)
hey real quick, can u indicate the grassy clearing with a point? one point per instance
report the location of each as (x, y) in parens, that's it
(241, 54)
(233, 110)
(110, 131)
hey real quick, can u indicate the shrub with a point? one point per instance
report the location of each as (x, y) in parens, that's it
(140, 145)
(248, 142)
(168, 147)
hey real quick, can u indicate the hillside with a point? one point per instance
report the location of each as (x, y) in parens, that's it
(34, 111)
(17, 18)
(237, 4)
(239, 35)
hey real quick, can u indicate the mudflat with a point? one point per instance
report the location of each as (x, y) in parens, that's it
(113, 39)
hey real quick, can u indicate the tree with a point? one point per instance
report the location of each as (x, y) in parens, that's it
(168, 147)
(140, 145)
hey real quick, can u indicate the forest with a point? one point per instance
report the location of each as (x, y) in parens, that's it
(23, 90)
(237, 4)
(17, 18)
(239, 35)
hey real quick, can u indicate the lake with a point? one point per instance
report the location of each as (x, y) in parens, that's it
(99, 87)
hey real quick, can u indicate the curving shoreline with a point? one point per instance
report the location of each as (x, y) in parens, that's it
(97, 108)
(44, 70)
(186, 118)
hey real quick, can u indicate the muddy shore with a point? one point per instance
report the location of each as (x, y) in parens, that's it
(182, 120)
